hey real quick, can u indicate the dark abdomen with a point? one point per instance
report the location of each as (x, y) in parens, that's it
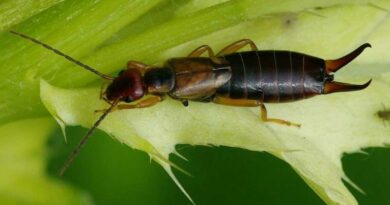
(273, 76)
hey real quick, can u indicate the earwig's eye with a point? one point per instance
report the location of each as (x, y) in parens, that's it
(121, 72)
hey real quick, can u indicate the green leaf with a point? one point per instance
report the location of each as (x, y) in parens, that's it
(106, 34)
(15, 11)
(77, 27)
(23, 167)
(332, 125)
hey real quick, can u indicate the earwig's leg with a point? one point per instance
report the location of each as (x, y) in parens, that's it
(265, 118)
(102, 94)
(236, 102)
(137, 65)
(185, 103)
(107, 101)
(101, 91)
(200, 50)
(142, 104)
(234, 47)
(252, 103)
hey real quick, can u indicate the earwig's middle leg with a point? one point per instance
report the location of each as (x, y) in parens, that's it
(265, 118)
(137, 65)
(234, 47)
(200, 50)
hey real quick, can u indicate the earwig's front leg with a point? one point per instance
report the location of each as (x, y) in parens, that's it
(265, 118)
(234, 47)
(137, 65)
(142, 104)
(200, 50)
(101, 91)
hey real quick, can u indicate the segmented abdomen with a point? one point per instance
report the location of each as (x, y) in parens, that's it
(273, 76)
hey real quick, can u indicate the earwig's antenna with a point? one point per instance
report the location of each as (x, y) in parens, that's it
(76, 151)
(63, 55)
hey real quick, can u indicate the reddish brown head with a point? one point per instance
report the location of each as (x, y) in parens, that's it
(128, 86)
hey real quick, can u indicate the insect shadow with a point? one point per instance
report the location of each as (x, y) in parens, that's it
(384, 114)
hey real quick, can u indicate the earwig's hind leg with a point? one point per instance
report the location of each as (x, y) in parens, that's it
(252, 103)
(236, 102)
(137, 65)
(265, 118)
(234, 47)
(200, 50)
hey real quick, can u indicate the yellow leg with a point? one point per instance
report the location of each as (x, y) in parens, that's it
(142, 104)
(137, 65)
(234, 47)
(236, 102)
(102, 92)
(265, 118)
(253, 103)
(200, 50)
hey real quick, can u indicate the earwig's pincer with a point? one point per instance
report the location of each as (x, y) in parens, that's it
(332, 87)
(231, 78)
(332, 66)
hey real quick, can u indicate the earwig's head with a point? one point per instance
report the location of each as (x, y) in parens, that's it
(331, 66)
(128, 86)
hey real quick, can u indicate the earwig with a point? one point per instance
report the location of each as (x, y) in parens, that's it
(233, 78)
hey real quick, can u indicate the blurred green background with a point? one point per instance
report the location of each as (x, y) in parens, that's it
(114, 174)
